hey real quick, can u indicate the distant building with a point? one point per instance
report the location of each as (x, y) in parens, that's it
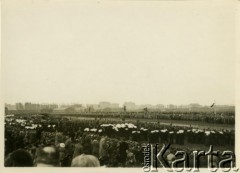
(114, 105)
(37, 107)
(6, 111)
(159, 106)
(104, 105)
(130, 105)
(48, 107)
(183, 106)
(93, 106)
(10, 107)
(32, 107)
(19, 106)
(171, 106)
(28, 106)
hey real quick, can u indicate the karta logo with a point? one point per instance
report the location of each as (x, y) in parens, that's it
(152, 158)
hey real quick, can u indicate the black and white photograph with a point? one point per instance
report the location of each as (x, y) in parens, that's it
(116, 85)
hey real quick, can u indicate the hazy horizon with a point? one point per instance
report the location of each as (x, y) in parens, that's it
(153, 52)
(120, 104)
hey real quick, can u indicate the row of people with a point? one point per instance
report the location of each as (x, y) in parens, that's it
(48, 156)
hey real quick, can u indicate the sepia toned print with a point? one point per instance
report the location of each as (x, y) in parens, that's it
(119, 84)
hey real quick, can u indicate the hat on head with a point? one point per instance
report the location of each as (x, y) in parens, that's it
(48, 155)
(62, 145)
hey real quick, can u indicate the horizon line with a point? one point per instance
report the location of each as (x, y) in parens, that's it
(71, 103)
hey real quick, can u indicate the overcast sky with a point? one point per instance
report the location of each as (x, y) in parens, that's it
(145, 52)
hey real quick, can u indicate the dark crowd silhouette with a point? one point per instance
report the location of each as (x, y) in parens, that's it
(55, 141)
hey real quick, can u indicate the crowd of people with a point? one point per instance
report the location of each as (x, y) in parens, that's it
(207, 117)
(57, 141)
